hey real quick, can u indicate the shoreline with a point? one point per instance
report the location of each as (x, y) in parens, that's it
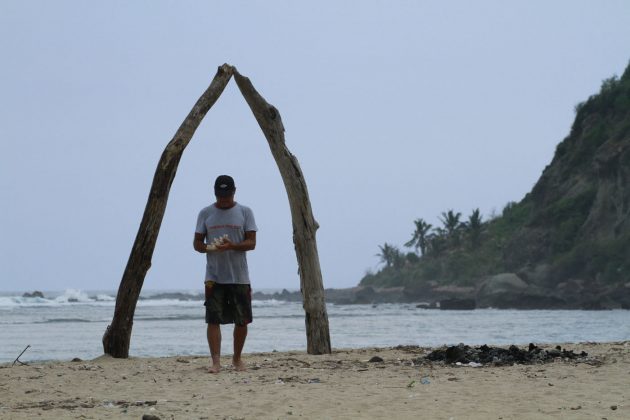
(437, 297)
(344, 384)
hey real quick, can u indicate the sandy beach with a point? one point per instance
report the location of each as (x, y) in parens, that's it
(342, 385)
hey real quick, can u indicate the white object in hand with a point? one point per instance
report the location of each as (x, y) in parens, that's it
(219, 240)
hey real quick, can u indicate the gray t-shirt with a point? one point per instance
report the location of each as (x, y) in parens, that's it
(228, 267)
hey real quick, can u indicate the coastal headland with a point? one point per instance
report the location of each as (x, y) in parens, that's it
(564, 245)
(399, 382)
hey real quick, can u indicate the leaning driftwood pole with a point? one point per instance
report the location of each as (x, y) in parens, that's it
(304, 224)
(118, 334)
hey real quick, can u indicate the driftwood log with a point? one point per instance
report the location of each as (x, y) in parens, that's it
(117, 336)
(304, 224)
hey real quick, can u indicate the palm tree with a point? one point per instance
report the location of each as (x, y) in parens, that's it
(399, 259)
(388, 254)
(436, 242)
(419, 239)
(451, 223)
(473, 227)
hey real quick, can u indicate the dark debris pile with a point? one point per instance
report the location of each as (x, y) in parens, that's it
(497, 356)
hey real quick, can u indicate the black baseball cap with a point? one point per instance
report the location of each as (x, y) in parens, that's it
(224, 186)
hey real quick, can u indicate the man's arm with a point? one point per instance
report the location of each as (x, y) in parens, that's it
(199, 243)
(248, 244)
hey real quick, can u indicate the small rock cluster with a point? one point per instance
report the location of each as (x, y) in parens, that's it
(498, 356)
(35, 294)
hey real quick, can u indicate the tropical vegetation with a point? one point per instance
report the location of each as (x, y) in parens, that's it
(573, 226)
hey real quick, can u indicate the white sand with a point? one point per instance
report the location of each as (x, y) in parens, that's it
(343, 385)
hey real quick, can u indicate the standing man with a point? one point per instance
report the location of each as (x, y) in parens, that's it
(225, 231)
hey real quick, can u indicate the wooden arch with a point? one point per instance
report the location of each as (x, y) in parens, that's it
(117, 336)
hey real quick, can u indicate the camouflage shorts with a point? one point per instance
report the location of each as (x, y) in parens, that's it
(228, 303)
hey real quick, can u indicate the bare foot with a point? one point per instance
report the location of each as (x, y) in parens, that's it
(239, 365)
(215, 368)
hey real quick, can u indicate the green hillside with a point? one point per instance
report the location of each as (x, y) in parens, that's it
(572, 228)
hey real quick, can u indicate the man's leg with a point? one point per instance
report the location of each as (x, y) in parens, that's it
(214, 342)
(240, 333)
(242, 314)
(215, 296)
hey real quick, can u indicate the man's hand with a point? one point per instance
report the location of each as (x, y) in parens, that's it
(219, 240)
(248, 244)
(225, 245)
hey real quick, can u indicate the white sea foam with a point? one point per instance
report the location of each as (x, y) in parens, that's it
(80, 297)
(69, 296)
(73, 296)
(169, 302)
(15, 301)
(268, 303)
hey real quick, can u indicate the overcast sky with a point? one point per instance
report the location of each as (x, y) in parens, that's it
(395, 110)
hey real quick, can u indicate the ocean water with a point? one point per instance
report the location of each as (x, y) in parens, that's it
(70, 324)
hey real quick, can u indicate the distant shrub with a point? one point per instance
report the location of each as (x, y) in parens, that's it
(569, 207)
(623, 129)
(412, 257)
(622, 101)
(431, 269)
(463, 269)
(517, 213)
(609, 85)
(607, 261)
(561, 149)
(570, 264)
(564, 235)
(368, 279)
(611, 260)
(592, 139)
(578, 107)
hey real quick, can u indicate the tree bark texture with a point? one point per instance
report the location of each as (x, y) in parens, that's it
(117, 336)
(304, 224)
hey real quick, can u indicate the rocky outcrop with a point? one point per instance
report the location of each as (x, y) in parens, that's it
(458, 304)
(435, 292)
(347, 296)
(35, 294)
(284, 295)
(509, 291)
(501, 283)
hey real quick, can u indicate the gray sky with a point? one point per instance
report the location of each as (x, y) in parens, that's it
(395, 109)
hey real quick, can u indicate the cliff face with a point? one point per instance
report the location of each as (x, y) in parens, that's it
(579, 210)
(568, 239)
